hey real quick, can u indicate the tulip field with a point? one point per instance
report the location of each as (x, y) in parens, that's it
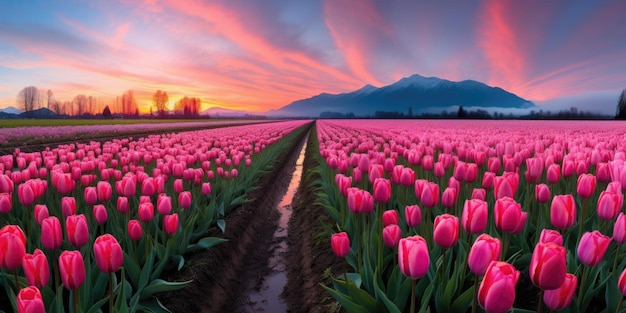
(458, 216)
(414, 215)
(91, 227)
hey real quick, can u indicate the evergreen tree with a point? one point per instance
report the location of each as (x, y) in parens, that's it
(106, 113)
(621, 106)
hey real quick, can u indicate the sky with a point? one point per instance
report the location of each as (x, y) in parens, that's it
(262, 55)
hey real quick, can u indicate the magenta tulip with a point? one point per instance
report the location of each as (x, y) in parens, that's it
(563, 211)
(560, 298)
(497, 290)
(392, 235)
(12, 247)
(170, 224)
(340, 243)
(108, 253)
(72, 269)
(548, 266)
(549, 235)
(484, 250)
(29, 300)
(382, 190)
(413, 258)
(51, 233)
(474, 216)
(413, 215)
(586, 185)
(390, 217)
(446, 230)
(592, 247)
(507, 214)
(36, 269)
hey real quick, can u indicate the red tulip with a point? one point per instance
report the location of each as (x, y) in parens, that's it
(560, 298)
(497, 290)
(65, 184)
(413, 215)
(413, 258)
(382, 190)
(108, 253)
(484, 250)
(430, 195)
(146, 211)
(549, 235)
(25, 194)
(360, 201)
(51, 233)
(390, 217)
(184, 199)
(474, 216)
(72, 269)
(6, 203)
(170, 224)
(36, 269)
(391, 235)
(12, 247)
(479, 193)
(446, 230)
(100, 213)
(553, 173)
(134, 230)
(563, 211)
(164, 204)
(507, 214)
(609, 204)
(68, 206)
(619, 229)
(76, 230)
(542, 193)
(621, 283)
(104, 191)
(506, 185)
(488, 180)
(340, 243)
(29, 300)
(592, 247)
(206, 189)
(122, 205)
(586, 185)
(548, 266)
(91, 196)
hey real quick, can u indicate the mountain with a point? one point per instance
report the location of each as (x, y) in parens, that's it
(11, 110)
(217, 112)
(39, 113)
(421, 94)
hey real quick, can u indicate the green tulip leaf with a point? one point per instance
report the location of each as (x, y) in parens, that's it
(345, 301)
(380, 293)
(159, 285)
(205, 243)
(463, 302)
(221, 223)
(152, 305)
(96, 306)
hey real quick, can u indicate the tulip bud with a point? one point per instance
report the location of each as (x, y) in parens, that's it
(413, 258)
(206, 189)
(91, 196)
(76, 230)
(340, 243)
(446, 230)
(6, 203)
(390, 217)
(134, 230)
(542, 193)
(51, 233)
(484, 250)
(12, 247)
(563, 211)
(108, 253)
(548, 266)
(391, 235)
(100, 214)
(122, 205)
(36, 269)
(170, 224)
(621, 283)
(560, 298)
(29, 300)
(413, 215)
(184, 199)
(474, 216)
(586, 185)
(592, 247)
(382, 190)
(72, 269)
(68, 206)
(508, 214)
(497, 290)
(549, 235)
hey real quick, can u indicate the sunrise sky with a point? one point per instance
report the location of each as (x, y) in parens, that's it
(261, 55)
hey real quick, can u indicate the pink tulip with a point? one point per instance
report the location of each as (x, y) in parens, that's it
(6, 203)
(413, 258)
(560, 298)
(146, 211)
(439, 170)
(497, 290)
(619, 229)
(586, 185)
(25, 194)
(148, 187)
(563, 211)
(206, 189)
(448, 198)
(430, 195)
(474, 216)
(390, 217)
(446, 230)
(603, 172)
(340, 243)
(41, 212)
(29, 300)
(108, 253)
(407, 178)
(184, 199)
(134, 230)
(493, 165)
(375, 171)
(548, 266)
(170, 224)
(391, 235)
(549, 235)
(36, 269)
(419, 186)
(542, 193)
(609, 204)
(12, 247)
(488, 180)
(592, 247)
(506, 185)
(91, 195)
(553, 174)
(100, 214)
(621, 283)
(68, 206)
(471, 173)
(76, 230)
(51, 233)
(360, 201)
(382, 190)
(479, 193)
(459, 171)
(484, 250)
(164, 204)
(534, 168)
(72, 269)
(507, 214)
(413, 215)
(104, 191)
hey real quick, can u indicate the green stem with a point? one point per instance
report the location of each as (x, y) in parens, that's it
(358, 239)
(475, 298)
(75, 295)
(17, 283)
(582, 288)
(111, 292)
(619, 306)
(505, 245)
(443, 266)
(582, 218)
(413, 296)
(55, 268)
(540, 302)
(619, 246)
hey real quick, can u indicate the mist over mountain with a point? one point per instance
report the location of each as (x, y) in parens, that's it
(420, 94)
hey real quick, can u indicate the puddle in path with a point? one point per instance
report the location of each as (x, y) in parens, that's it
(267, 298)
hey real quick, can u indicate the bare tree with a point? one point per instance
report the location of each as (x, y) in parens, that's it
(49, 99)
(80, 102)
(621, 106)
(29, 99)
(160, 98)
(55, 106)
(129, 104)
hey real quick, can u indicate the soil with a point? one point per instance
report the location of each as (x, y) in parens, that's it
(222, 275)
